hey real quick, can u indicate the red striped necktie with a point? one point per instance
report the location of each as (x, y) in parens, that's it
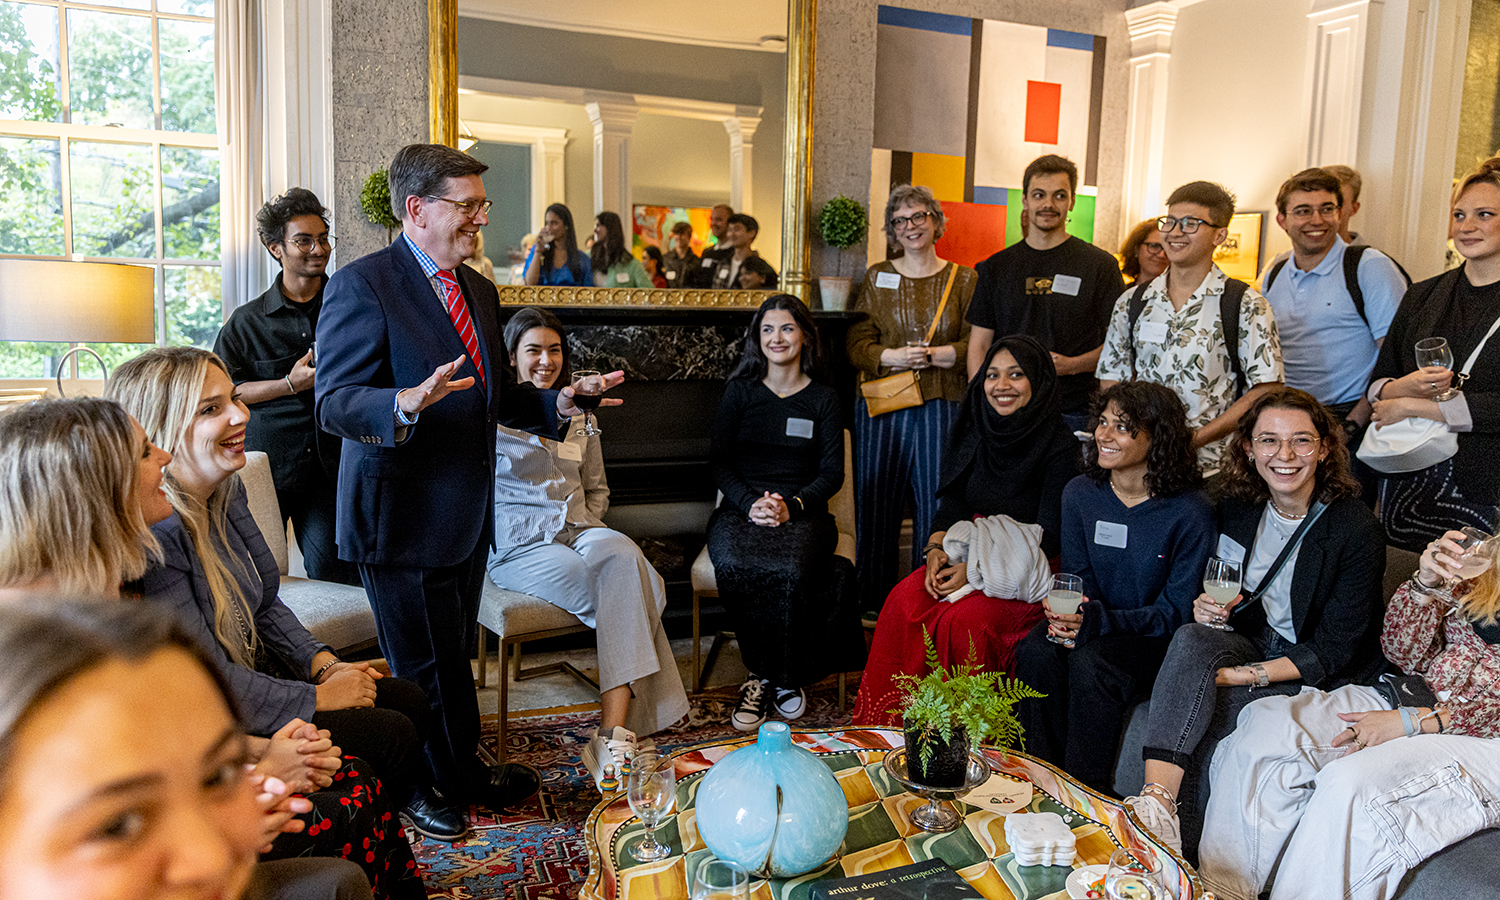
(458, 311)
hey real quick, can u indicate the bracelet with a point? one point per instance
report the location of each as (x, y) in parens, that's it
(1431, 714)
(1421, 587)
(1261, 678)
(931, 547)
(1409, 722)
(318, 675)
(288, 380)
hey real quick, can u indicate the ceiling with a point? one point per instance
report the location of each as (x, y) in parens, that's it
(739, 24)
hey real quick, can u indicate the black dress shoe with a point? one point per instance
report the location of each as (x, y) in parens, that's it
(434, 818)
(507, 784)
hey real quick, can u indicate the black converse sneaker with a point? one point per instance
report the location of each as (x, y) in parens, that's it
(790, 704)
(752, 709)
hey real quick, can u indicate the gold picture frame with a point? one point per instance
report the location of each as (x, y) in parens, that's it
(1239, 255)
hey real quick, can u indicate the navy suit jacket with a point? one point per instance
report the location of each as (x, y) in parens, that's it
(428, 501)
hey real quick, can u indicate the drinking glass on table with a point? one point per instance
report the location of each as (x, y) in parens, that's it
(916, 338)
(1133, 875)
(588, 390)
(1221, 582)
(1434, 351)
(651, 788)
(1064, 599)
(719, 879)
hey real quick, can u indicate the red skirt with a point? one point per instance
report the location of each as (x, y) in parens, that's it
(983, 629)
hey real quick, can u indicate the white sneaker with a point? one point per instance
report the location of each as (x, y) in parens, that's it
(790, 704)
(607, 756)
(1153, 814)
(752, 709)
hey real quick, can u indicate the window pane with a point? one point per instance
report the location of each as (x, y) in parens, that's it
(30, 83)
(122, 4)
(186, 7)
(30, 197)
(194, 310)
(190, 203)
(113, 209)
(28, 359)
(109, 69)
(187, 76)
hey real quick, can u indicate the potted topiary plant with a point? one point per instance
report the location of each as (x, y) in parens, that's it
(375, 202)
(842, 223)
(952, 710)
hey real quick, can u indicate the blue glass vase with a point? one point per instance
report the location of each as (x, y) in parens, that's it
(771, 807)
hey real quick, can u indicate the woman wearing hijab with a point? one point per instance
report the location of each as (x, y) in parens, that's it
(1010, 455)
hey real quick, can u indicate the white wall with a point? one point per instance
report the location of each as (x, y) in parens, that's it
(578, 158)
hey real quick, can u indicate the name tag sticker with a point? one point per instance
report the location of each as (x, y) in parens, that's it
(707, 262)
(1154, 332)
(802, 428)
(1111, 534)
(622, 277)
(567, 450)
(887, 280)
(672, 275)
(1066, 284)
(1230, 549)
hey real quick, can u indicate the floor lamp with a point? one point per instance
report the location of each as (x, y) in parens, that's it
(59, 300)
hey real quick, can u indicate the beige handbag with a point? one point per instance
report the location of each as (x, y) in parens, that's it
(902, 390)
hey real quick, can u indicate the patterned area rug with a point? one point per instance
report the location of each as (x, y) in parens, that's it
(536, 850)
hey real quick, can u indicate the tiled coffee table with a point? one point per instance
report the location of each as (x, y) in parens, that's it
(881, 835)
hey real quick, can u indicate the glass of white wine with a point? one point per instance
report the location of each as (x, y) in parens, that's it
(651, 789)
(1221, 582)
(1476, 557)
(1064, 599)
(719, 879)
(1434, 351)
(1133, 875)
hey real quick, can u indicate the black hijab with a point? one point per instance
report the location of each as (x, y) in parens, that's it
(989, 445)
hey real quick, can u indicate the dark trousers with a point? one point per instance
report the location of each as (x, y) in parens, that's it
(424, 618)
(389, 736)
(1089, 689)
(313, 878)
(311, 512)
(1354, 433)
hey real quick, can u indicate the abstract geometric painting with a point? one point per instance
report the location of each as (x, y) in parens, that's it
(963, 105)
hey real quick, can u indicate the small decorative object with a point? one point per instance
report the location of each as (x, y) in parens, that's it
(375, 201)
(961, 707)
(1040, 839)
(772, 807)
(842, 223)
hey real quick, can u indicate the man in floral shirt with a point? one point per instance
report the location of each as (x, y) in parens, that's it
(1178, 337)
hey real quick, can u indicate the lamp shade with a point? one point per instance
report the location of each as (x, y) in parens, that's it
(62, 300)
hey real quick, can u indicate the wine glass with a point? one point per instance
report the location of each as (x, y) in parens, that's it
(1064, 598)
(1476, 557)
(588, 390)
(651, 788)
(916, 337)
(1221, 582)
(1133, 875)
(1434, 351)
(719, 879)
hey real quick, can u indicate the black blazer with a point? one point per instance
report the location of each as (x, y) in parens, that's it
(1337, 606)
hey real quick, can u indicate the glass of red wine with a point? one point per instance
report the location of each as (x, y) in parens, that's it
(588, 390)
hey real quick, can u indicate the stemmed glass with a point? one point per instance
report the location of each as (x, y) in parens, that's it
(1133, 875)
(1476, 558)
(1064, 599)
(588, 390)
(1434, 351)
(1221, 582)
(916, 337)
(651, 788)
(719, 879)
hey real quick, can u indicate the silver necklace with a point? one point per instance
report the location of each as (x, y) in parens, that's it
(1286, 514)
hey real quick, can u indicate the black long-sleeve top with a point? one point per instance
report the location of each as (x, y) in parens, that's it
(792, 445)
(1031, 496)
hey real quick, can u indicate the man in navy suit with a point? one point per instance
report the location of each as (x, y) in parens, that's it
(411, 374)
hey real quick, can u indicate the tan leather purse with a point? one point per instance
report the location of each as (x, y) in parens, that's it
(902, 390)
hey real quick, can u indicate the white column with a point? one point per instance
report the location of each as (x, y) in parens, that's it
(613, 122)
(741, 130)
(1146, 129)
(1336, 40)
(547, 145)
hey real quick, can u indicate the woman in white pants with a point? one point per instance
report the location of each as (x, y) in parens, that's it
(1338, 793)
(549, 497)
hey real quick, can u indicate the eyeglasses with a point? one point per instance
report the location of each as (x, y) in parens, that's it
(915, 219)
(1153, 247)
(1327, 211)
(1302, 445)
(304, 243)
(1188, 224)
(470, 208)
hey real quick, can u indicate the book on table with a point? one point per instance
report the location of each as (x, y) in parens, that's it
(931, 880)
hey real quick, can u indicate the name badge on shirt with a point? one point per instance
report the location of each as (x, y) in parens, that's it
(1154, 332)
(802, 428)
(622, 277)
(1066, 284)
(672, 275)
(1111, 534)
(573, 452)
(887, 280)
(1230, 549)
(706, 262)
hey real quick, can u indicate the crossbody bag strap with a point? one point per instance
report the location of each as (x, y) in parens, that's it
(1281, 558)
(943, 303)
(1463, 374)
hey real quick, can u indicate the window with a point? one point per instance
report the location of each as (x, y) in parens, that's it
(108, 153)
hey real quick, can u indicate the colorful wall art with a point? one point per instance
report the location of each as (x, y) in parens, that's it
(653, 225)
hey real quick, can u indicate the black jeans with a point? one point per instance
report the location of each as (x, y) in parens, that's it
(389, 736)
(312, 515)
(1089, 689)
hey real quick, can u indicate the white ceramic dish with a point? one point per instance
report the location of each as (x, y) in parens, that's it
(1078, 882)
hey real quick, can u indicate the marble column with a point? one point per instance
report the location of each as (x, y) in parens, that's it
(614, 120)
(1151, 29)
(741, 151)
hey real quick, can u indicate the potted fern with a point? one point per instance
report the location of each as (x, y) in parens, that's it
(954, 709)
(842, 223)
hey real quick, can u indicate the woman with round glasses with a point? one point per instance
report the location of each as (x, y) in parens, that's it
(1143, 256)
(555, 259)
(897, 454)
(1287, 493)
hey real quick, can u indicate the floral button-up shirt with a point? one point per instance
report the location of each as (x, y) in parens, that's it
(1184, 350)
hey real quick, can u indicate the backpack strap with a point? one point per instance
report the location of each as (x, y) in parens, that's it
(1134, 309)
(1271, 275)
(1352, 256)
(1229, 316)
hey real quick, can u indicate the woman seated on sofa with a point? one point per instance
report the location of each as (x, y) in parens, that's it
(1009, 457)
(778, 457)
(1338, 793)
(1137, 530)
(220, 578)
(1315, 622)
(549, 497)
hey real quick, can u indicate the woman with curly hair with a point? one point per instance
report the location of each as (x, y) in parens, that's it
(1143, 256)
(1137, 530)
(1313, 622)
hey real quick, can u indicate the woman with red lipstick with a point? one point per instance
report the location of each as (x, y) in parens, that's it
(1460, 305)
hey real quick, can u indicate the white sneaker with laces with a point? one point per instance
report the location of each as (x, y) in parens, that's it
(607, 756)
(1161, 823)
(752, 709)
(790, 704)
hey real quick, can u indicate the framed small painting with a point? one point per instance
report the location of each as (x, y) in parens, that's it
(1239, 255)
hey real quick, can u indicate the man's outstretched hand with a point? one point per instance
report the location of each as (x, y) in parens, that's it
(437, 386)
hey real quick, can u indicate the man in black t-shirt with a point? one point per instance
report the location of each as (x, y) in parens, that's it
(1050, 285)
(718, 229)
